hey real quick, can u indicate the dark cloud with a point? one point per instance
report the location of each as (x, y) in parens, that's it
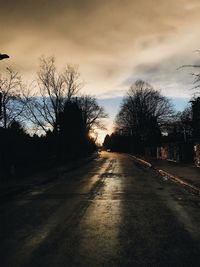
(115, 42)
(89, 18)
(107, 38)
(166, 75)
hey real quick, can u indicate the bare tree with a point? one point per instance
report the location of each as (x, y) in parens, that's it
(196, 75)
(51, 93)
(143, 111)
(180, 126)
(71, 79)
(10, 88)
(93, 114)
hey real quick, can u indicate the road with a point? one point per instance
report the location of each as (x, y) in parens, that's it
(109, 212)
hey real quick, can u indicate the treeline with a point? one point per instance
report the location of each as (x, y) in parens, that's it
(48, 122)
(147, 119)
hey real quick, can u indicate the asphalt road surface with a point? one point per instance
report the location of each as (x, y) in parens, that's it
(109, 212)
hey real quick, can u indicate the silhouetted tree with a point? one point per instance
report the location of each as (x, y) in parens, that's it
(11, 105)
(179, 128)
(106, 142)
(142, 114)
(196, 117)
(53, 90)
(196, 75)
(73, 136)
(71, 121)
(186, 119)
(13, 141)
(17, 128)
(195, 102)
(92, 113)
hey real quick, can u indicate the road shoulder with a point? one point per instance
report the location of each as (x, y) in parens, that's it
(185, 175)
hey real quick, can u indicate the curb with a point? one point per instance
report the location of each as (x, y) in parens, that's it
(141, 161)
(191, 188)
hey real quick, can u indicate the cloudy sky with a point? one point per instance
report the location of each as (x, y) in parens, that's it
(113, 42)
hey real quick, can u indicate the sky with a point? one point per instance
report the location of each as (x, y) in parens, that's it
(114, 43)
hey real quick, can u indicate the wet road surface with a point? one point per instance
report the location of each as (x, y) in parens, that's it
(110, 212)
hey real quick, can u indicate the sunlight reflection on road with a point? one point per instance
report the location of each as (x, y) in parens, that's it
(100, 225)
